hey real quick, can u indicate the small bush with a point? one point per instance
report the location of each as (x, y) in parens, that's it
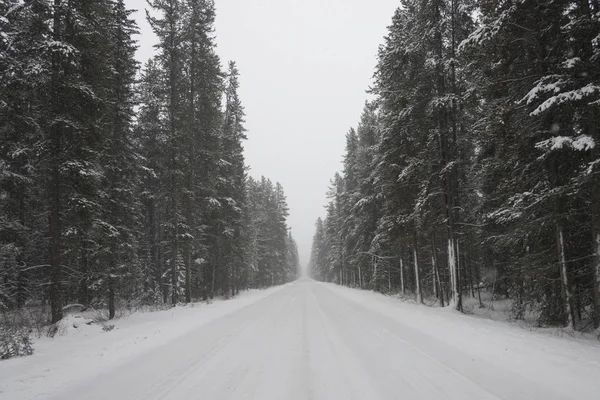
(468, 309)
(14, 342)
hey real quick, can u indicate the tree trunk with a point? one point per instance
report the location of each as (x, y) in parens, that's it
(161, 257)
(447, 153)
(84, 297)
(54, 225)
(191, 151)
(417, 278)
(173, 131)
(187, 251)
(437, 283)
(360, 283)
(214, 271)
(478, 276)
(453, 272)
(564, 278)
(375, 274)
(174, 250)
(111, 297)
(433, 280)
(453, 157)
(188, 272)
(389, 278)
(469, 268)
(112, 271)
(401, 273)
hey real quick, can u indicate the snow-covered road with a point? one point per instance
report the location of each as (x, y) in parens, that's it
(317, 341)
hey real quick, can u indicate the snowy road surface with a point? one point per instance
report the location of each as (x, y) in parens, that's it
(309, 340)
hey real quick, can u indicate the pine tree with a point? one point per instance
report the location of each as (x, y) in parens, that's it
(151, 140)
(318, 256)
(292, 258)
(121, 208)
(168, 28)
(22, 67)
(233, 170)
(268, 248)
(202, 202)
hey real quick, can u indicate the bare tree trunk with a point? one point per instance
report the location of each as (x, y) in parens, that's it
(232, 274)
(375, 273)
(212, 281)
(564, 278)
(214, 270)
(188, 272)
(111, 297)
(401, 273)
(417, 277)
(433, 280)
(153, 242)
(360, 283)
(389, 278)
(84, 297)
(478, 287)
(453, 211)
(437, 283)
(459, 271)
(173, 131)
(453, 271)
(54, 224)
(469, 268)
(187, 244)
(174, 250)
(162, 262)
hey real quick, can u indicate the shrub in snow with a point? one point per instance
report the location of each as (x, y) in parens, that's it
(31, 318)
(14, 342)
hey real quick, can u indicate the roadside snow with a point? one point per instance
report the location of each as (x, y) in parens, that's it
(81, 351)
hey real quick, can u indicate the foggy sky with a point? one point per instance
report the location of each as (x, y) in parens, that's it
(305, 66)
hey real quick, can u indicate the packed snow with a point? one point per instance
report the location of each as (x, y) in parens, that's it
(306, 340)
(82, 351)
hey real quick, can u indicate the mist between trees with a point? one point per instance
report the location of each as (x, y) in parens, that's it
(476, 166)
(122, 185)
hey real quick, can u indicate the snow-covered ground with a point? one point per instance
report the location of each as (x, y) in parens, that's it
(306, 340)
(82, 352)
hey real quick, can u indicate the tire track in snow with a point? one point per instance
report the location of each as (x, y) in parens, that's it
(497, 382)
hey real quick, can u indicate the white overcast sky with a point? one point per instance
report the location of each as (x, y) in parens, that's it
(305, 66)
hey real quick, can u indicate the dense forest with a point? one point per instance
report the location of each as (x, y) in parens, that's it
(122, 184)
(475, 167)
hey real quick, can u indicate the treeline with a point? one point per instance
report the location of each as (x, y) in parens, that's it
(477, 164)
(124, 185)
